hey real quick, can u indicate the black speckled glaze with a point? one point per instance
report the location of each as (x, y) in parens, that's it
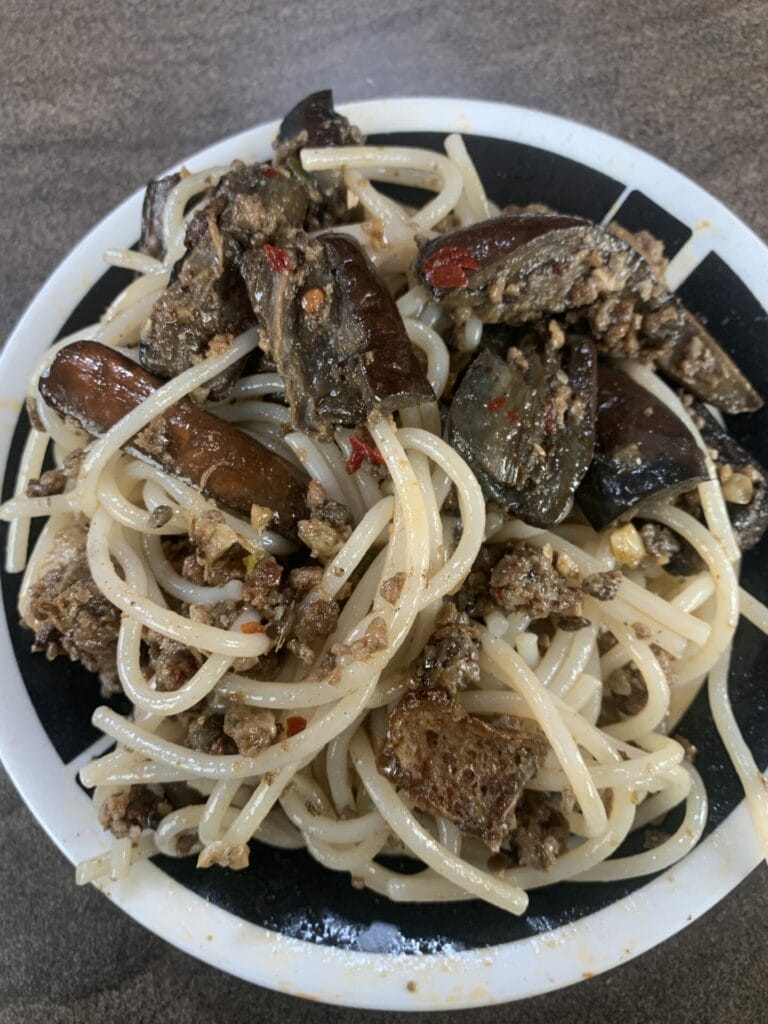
(287, 891)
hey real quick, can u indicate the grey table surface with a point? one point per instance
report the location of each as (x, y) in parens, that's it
(98, 96)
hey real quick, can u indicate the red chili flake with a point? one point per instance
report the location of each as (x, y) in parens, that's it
(447, 267)
(361, 451)
(294, 724)
(279, 259)
(512, 417)
(251, 627)
(270, 172)
(497, 403)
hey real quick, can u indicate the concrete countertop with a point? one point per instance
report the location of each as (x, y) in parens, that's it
(97, 97)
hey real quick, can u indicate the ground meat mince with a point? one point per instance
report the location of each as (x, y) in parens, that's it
(453, 764)
(130, 812)
(526, 579)
(68, 612)
(541, 834)
(451, 656)
(172, 663)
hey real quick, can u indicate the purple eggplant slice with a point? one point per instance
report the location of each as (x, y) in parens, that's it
(520, 267)
(96, 387)
(743, 480)
(333, 331)
(314, 122)
(205, 305)
(152, 240)
(525, 424)
(642, 451)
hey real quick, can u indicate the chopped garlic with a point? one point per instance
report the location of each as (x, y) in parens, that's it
(627, 546)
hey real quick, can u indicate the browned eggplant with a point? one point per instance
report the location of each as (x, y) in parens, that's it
(520, 267)
(333, 331)
(200, 312)
(743, 480)
(699, 364)
(642, 451)
(258, 202)
(97, 387)
(152, 240)
(525, 424)
(443, 262)
(205, 306)
(314, 122)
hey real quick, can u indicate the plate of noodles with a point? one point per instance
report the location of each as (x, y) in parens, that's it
(375, 523)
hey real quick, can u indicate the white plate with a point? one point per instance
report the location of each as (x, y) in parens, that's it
(497, 973)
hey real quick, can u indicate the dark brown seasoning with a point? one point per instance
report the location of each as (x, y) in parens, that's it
(172, 663)
(453, 764)
(250, 728)
(206, 733)
(54, 481)
(667, 549)
(602, 585)
(391, 588)
(159, 516)
(660, 543)
(520, 577)
(525, 579)
(627, 693)
(540, 836)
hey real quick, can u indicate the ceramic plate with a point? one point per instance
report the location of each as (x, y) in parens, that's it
(287, 923)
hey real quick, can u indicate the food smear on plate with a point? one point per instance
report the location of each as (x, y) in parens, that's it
(408, 530)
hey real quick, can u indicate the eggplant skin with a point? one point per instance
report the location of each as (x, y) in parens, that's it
(156, 196)
(97, 386)
(314, 122)
(525, 424)
(749, 521)
(642, 451)
(334, 332)
(520, 267)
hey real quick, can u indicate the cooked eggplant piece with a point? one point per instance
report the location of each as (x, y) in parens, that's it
(97, 387)
(314, 122)
(520, 267)
(333, 331)
(642, 451)
(205, 306)
(202, 311)
(444, 262)
(260, 202)
(152, 240)
(699, 364)
(525, 423)
(743, 480)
